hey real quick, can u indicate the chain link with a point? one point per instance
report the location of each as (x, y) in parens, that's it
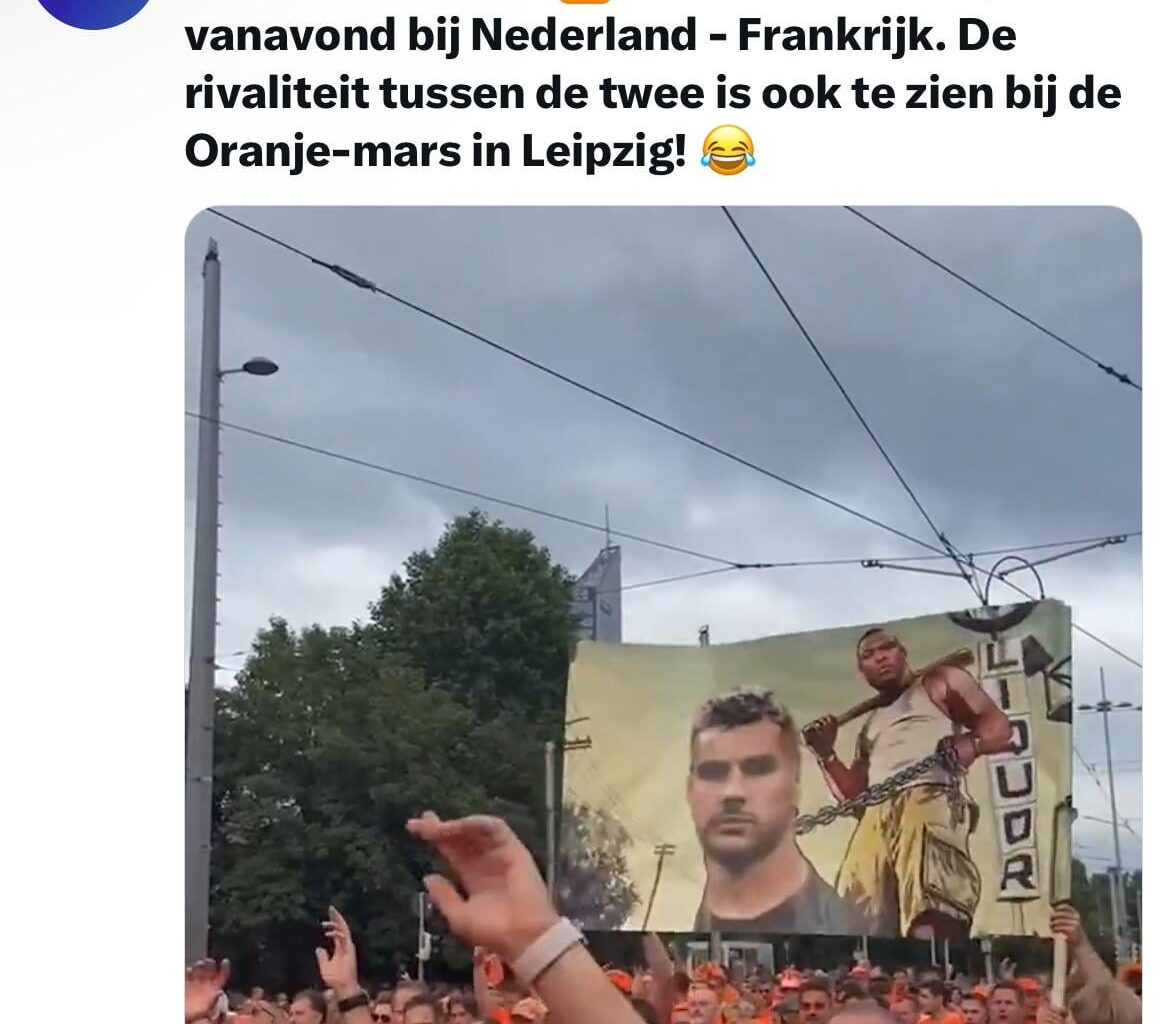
(945, 758)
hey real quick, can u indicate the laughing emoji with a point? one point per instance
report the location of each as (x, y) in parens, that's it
(728, 150)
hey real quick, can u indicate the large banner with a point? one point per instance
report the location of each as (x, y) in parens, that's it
(888, 779)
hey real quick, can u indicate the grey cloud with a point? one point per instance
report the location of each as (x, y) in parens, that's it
(1007, 438)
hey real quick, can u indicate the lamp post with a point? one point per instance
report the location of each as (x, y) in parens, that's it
(201, 679)
(1117, 903)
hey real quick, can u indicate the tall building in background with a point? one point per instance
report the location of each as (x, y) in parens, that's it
(597, 598)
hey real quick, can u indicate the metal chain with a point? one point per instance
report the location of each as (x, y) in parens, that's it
(880, 792)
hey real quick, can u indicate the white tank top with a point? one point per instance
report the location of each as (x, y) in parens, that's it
(896, 736)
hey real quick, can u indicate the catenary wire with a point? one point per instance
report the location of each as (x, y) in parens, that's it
(358, 281)
(858, 414)
(728, 566)
(1121, 378)
(389, 470)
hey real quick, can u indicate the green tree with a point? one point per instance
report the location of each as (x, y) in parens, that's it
(485, 616)
(324, 748)
(332, 737)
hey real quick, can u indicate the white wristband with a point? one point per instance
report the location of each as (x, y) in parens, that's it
(546, 950)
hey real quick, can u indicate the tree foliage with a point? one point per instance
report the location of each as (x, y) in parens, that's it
(332, 737)
(486, 616)
(594, 889)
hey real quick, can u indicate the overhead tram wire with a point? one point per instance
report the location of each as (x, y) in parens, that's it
(1118, 375)
(816, 563)
(942, 537)
(726, 566)
(961, 564)
(403, 474)
(597, 527)
(360, 282)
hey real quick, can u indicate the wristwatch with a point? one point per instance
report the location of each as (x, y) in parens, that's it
(352, 1002)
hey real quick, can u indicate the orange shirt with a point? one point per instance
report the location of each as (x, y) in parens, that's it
(949, 1017)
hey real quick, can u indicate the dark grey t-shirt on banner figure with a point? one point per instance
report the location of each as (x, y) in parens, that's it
(814, 909)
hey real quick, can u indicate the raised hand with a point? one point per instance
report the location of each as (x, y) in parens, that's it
(821, 735)
(339, 968)
(506, 907)
(1067, 922)
(205, 982)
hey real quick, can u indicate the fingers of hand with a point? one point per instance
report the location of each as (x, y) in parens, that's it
(425, 826)
(322, 960)
(338, 921)
(446, 897)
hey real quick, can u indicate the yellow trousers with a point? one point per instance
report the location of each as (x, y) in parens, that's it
(910, 855)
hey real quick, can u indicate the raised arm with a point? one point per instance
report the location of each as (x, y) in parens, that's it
(484, 996)
(844, 781)
(662, 975)
(506, 908)
(339, 969)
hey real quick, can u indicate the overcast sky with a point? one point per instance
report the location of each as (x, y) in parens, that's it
(1008, 438)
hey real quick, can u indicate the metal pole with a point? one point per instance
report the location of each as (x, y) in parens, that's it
(716, 937)
(988, 962)
(1120, 924)
(201, 680)
(1138, 908)
(550, 820)
(423, 948)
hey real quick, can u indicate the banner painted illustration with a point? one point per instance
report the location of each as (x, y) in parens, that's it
(891, 779)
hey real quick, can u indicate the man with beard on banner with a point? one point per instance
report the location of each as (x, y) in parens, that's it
(743, 789)
(908, 866)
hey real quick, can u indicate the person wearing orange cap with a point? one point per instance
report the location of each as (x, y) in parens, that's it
(1033, 993)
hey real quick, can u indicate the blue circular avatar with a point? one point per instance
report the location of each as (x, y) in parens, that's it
(92, 14)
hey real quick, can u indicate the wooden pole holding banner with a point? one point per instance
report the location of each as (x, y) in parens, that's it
(1061, 874)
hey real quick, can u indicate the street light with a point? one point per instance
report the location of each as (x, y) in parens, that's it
(257, 366)
(1104, 707)
(201, 681)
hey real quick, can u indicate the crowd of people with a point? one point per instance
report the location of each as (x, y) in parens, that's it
(529, 967)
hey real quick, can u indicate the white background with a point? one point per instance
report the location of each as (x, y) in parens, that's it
(97, 198)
